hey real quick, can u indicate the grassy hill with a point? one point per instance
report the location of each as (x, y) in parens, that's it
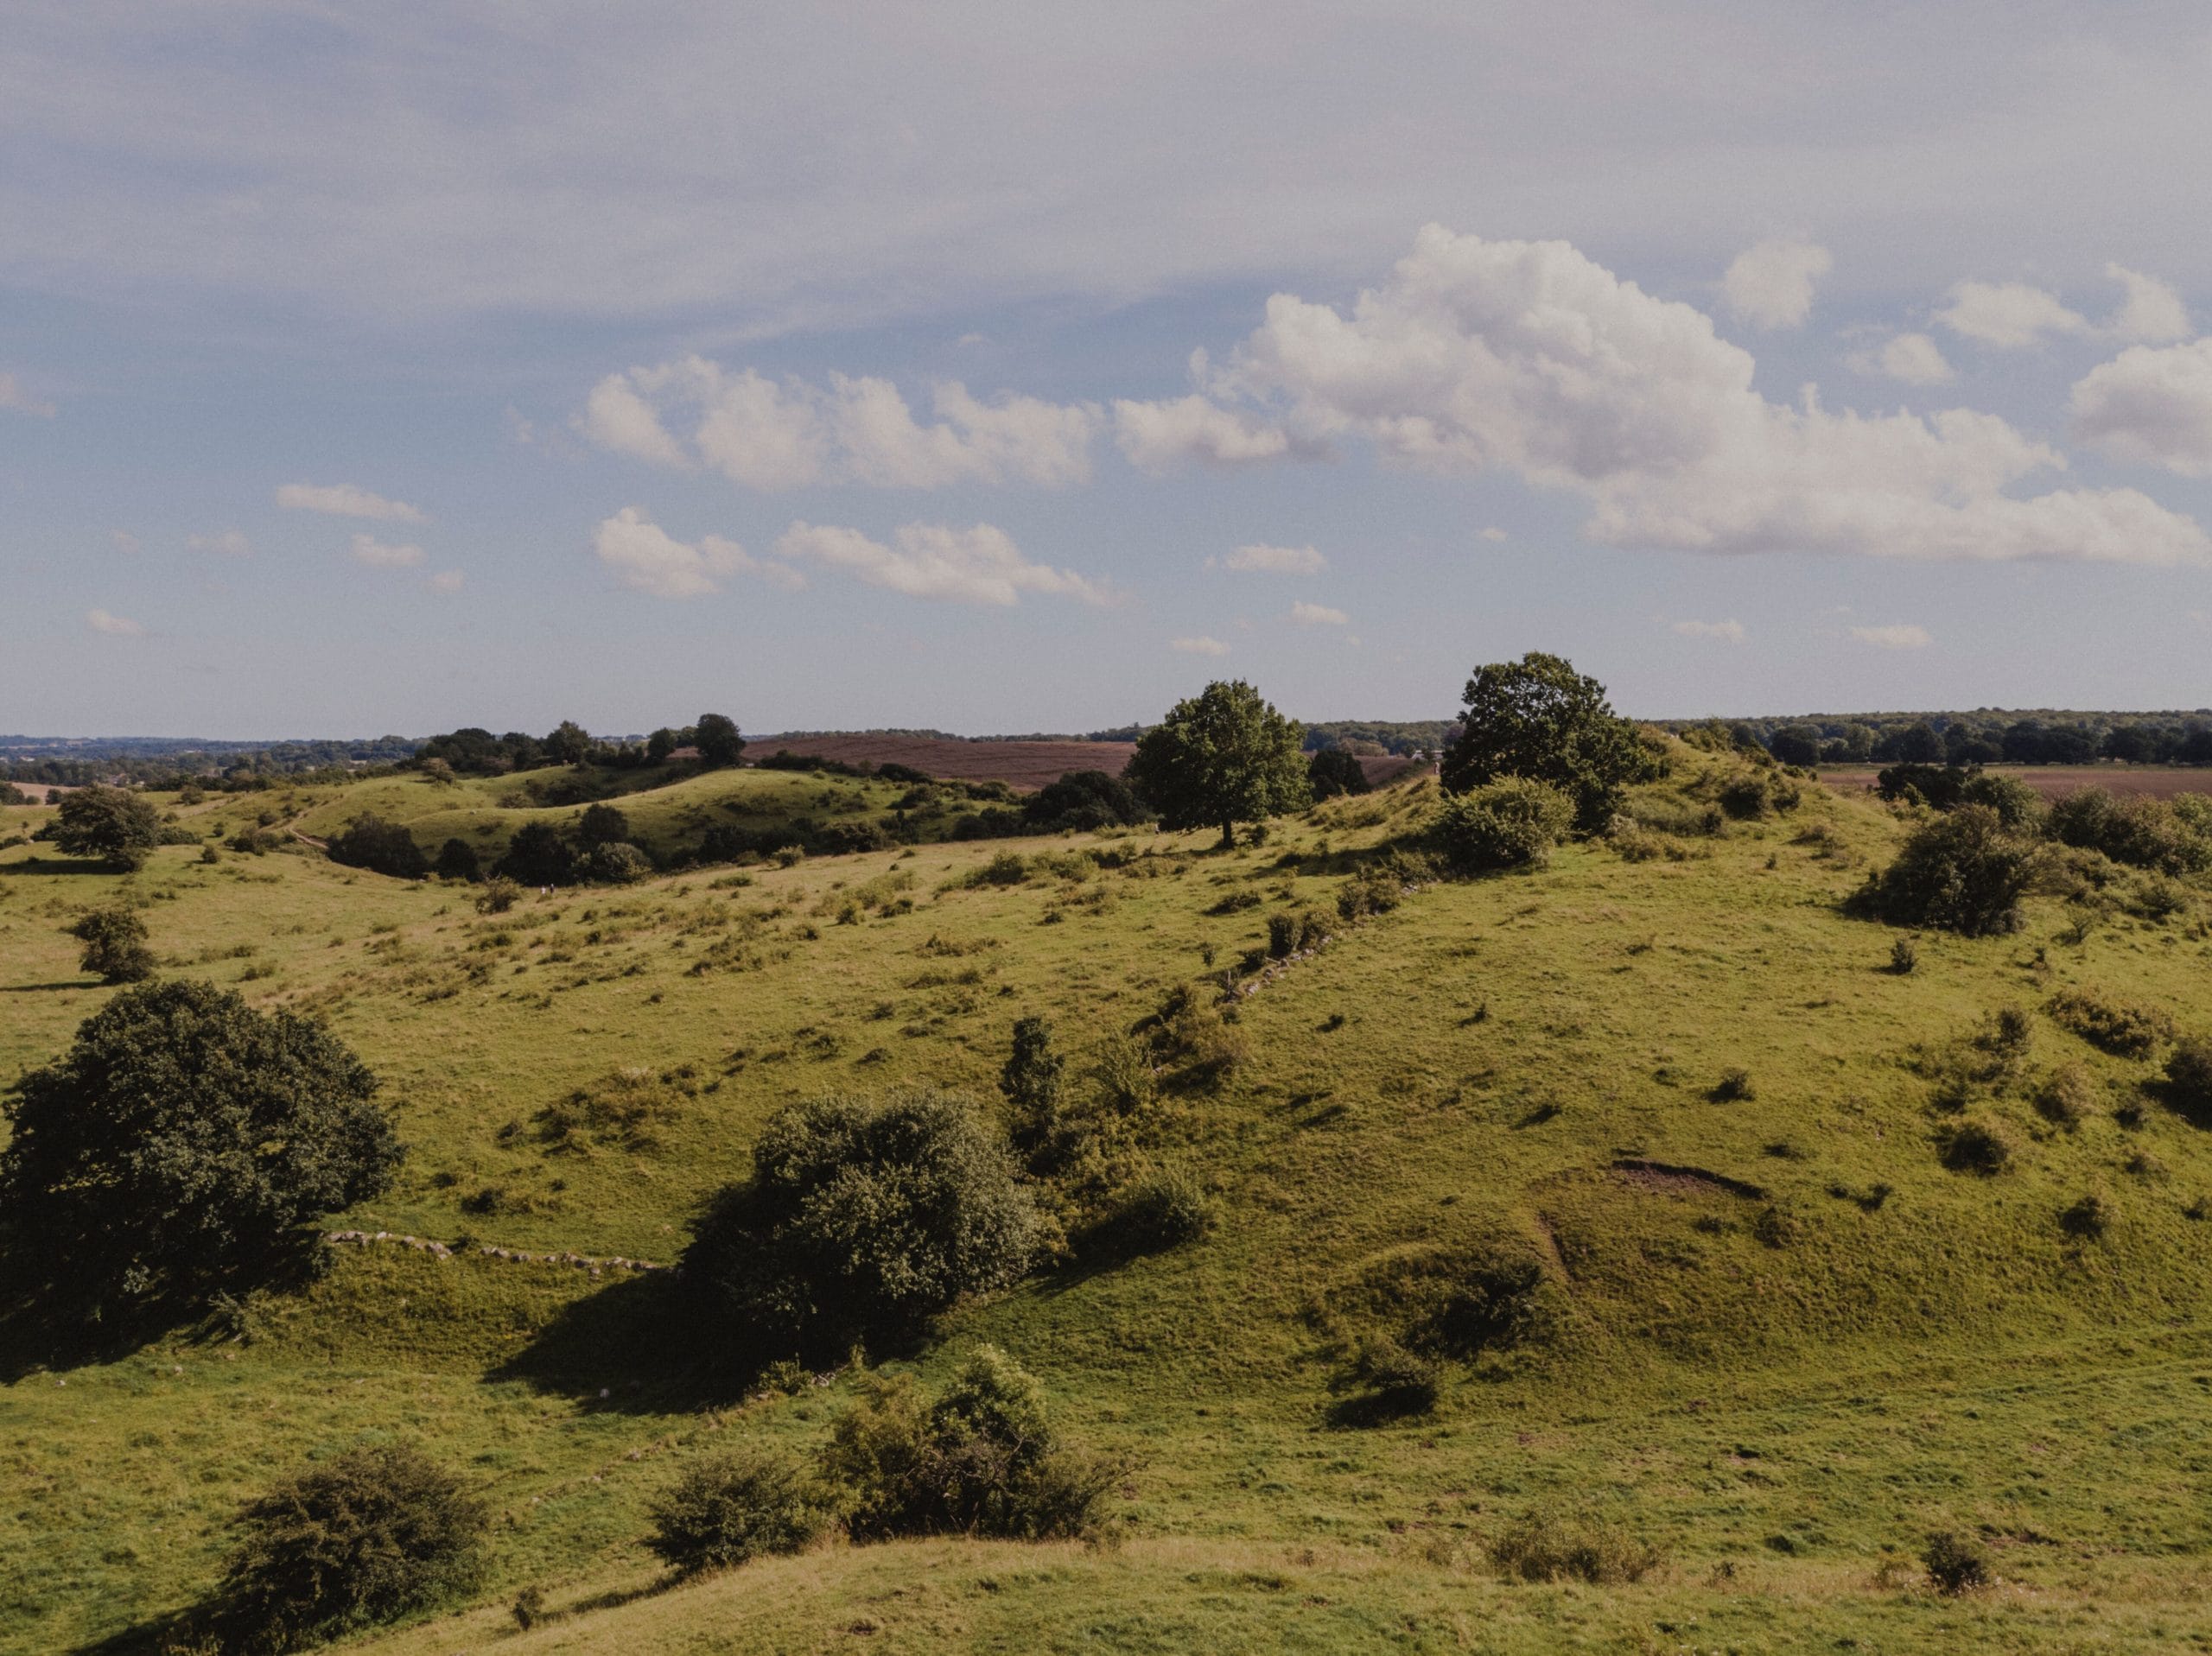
(1775, 1337)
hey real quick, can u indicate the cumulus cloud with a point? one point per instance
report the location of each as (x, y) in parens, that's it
(378, 554)
(1770, 285)
(230, 543)
(13, 397)
(125, 542)
(2151, 313)
(1913, 357)
(1318, 615)
(2150, 407)
(1898, 635)
(447, 582)
(1156, 436)
(647, 559)
(114, 626)
(1198, 646)
(1720, 631)
(2010, 315)
(769, 435)
(978, 565)
(1529, 358)
(344, 500)
(1262, 559)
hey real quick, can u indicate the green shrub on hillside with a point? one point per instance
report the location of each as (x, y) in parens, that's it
(1031, 1080)
(1162, 1210)
(731, 1508)
(863, 1218)
(457, 859)
(382, 847)
(1512, 822)
(2067, 1097)
(1975, 1146)
(2143, 832)
(1541, 1547)
(362, 1537)
(1955, 1565)
(1539, 719)
(1963, 873)
(115, 945)
(2120, 1027)
(2189, 1077)
(1335, 770)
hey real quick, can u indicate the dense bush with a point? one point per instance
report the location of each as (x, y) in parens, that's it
(1079, 802)
(602, 824)
(115, 945)
(2087, 1219)
(615, 863)
(2067, 1097)
(365, 1536)
(982, 1459)
(1031, 1080)
(1975, 1146)
(1512, 822)
(113, 824)
(718, 741)
(1538, 718)
(2189, 1077)
(1334, 770)
(1492, 1299)
(179, 1140)
(863, 1219)
(2120, 1027)
(1955, 1565)
(1945, 788)
(1398, 1381)
(538, 854)
(2142, 832)
(1543, 1546)
(1162, 1210)
(457, 859)
(731, 1508)
(382, 847)
(1963, 873)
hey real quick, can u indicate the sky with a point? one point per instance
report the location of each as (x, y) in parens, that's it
(1021, 367)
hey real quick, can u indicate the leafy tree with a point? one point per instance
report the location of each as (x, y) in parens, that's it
(570, 743)
(660, 744)
(1225, 757)
(11, 795)
(863, 1219)
(1080, 800)
(181, 1139)
(361, 1537)
(617, 863)
(1797, 745)
(1917, 744)
(382, 847)
(115, 945)
(538, 855)
(1336, 771)
(111, 823)
(718, 741)
(457, 859)
(1538, 718)
(601, 825)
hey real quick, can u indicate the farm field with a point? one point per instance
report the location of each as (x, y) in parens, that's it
(1782, 1340)
(1025, 765)
(2056, 781)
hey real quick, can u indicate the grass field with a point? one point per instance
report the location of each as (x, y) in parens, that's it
(1784, 1342)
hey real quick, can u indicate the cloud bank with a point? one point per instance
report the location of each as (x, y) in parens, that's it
(344, 500)
(2150, 407)
(979, 565)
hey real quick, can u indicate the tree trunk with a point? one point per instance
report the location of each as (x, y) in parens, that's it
(1227, 834)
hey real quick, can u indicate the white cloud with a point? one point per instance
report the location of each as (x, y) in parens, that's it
(1772, 285)
(2010, 315)
(2151, 314)
(344, 500)
(378, 554)
(1898, 636)
(1264, 559)
(113, 625)
(1913, 357)
(447, 582)
(230, 543)
(15, 397)
(1198, 646)
(980, 564)
(1720, 631)
(1527, 356)
(1318, 615)
(1158, 435)
(1494, 533)
(125, 542)
(772, 435)
(2150, 407)
(647, 558)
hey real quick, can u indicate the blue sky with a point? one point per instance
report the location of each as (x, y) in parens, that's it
(370, 369)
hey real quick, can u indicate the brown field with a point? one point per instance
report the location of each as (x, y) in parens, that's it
(1022, 764)
(2053, 781)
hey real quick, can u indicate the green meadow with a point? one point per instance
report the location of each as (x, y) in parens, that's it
(1782, 1340)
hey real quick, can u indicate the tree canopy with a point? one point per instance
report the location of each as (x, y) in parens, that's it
(113, 824)
(718, 740)
(1222, 757)
(1538, 718)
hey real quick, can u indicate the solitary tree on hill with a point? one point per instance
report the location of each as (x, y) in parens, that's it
(1224, 757)
(718, 740)
(570, 743)
(1538, 718)
(111, 823)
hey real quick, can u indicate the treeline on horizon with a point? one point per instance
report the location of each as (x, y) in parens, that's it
(1985, 736)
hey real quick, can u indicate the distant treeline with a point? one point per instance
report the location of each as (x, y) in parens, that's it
(1985, 736)
(156, 760)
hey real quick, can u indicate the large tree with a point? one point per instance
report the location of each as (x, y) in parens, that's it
(1538, 718)
(1224, 757)
(718, 741)
(181, 1139)
(110, 823)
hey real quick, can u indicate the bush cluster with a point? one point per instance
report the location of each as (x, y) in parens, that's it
(2173, 837)
(1963, 873)
(368, 841)
(115, 945)
(2122, 1028)
(1542, 1546)
(729, 1508)
(1512, 822)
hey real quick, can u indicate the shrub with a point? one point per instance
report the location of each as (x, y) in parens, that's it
(113, 824)
(1512, 822)
(182, 1138)
(2120, 1027)
(1964, 873)
(457, 859)
(602, 824)
(2189, 1077)
(1123, 1074)
(1955, 1565)
(1189, 1028)
(1031, 1079)
(1375, 890)
(863, 1218)
(616, 863)
(2087, 1219)
(1904, 956)
(2144, 832)
(115, 945)
(499, 896)
(365, 1536)
(1543, 1547)
(982, 1459)
(1491, 1300)
(1744, 797)
(1734, 1086)
(1163, 1210)
(1398, 1380)
(1975, 1146)
(1080, 802)
(735, 1507)
(1282, 934)
(538, 855)
(382, 847)
(2067, 1096)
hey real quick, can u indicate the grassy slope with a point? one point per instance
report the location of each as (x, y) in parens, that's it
(1793, 1413)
